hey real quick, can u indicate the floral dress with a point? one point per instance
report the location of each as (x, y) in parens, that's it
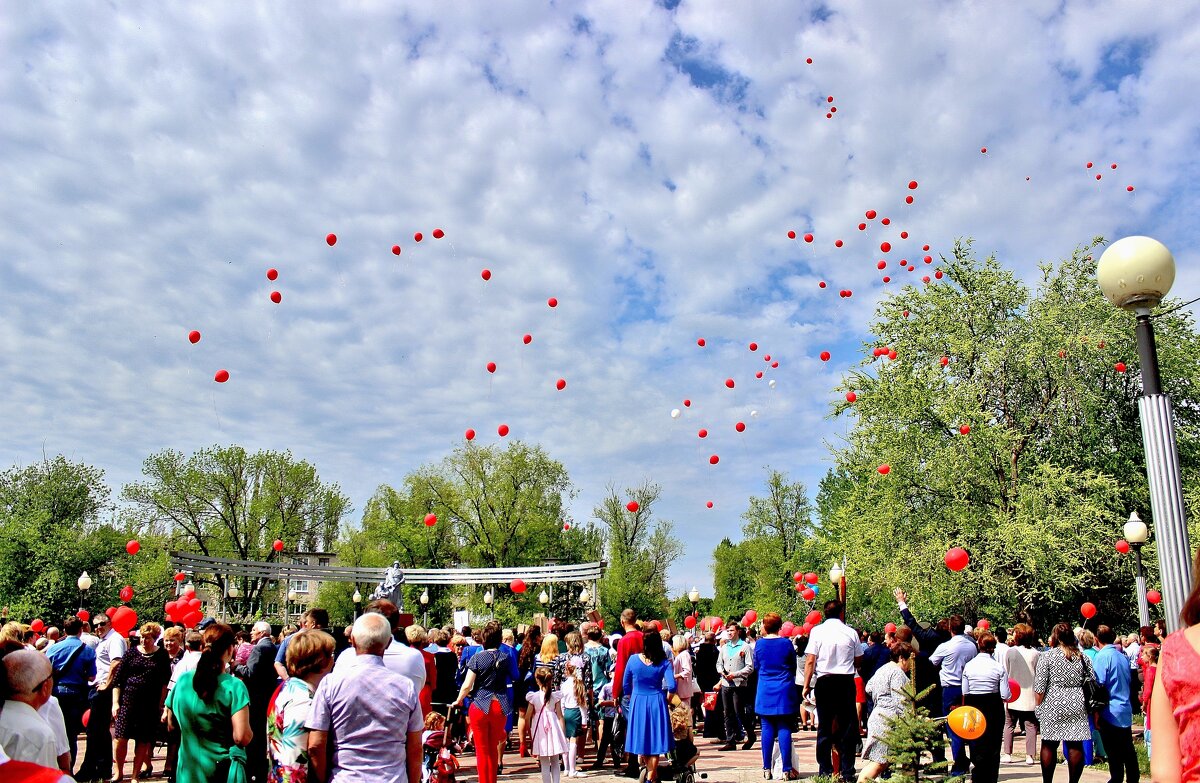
(287, 739)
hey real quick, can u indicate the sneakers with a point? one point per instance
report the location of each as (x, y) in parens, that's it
(1005, 758)
(1029, 761)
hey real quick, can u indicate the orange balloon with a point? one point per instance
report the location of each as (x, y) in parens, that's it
(967, 722)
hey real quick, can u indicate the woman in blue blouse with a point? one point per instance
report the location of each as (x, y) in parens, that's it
(775, 699)
(648, 732)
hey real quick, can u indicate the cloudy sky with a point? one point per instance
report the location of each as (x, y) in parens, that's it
(642, 163)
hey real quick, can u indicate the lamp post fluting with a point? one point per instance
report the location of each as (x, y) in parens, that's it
(1135, 273)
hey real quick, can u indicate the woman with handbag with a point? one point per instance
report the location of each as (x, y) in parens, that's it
(1062, 706)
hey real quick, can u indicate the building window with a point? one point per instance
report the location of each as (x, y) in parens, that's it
(297, 585)
(324, 561)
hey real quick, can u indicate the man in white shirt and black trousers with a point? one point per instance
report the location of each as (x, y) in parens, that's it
(831, 658)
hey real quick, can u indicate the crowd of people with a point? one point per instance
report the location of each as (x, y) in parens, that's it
(387, 701)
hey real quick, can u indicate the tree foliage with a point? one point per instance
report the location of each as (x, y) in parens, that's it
(1052, 462)
(640, 550)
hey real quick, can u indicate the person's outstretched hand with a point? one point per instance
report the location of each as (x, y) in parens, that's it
(901, 596)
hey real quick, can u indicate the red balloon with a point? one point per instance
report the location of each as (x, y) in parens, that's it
(109, 612)
(889, 628)
(821, 284)
(1119, 366)
(813, 618)
(713, 460)
(1123, 546)
(892, 354)
(983, 150)
(491, 367)
(808, 593)
(702, 434)
(824, 356)
(502, 430)
(37, 626)
(689, 622)
(83, 615)
(797, 577)
(767, 358)
(758, 374)
(687, 403)
(221, 376)
(517, 586)
(632, 506)
(430, 520)
(395, 250)
(272, 274)
(886, 221)
(928, 259)
(908, 199)
(276, 297)
(87, 714)
(964, 429)
(124, 620)
(753, 346)
(884, 469)
(486, 274)
(945, 360)
(709, 504)
(331, 239)
(527, 339)
(194, 337)
(1129, 188)
(126, 594)
(938, 274)
(871, 214)
(438, 233)
(193, 618)
(1015, 687)
(925, 248)
(552, 302)
(881, 264)
(469, 434)
(885, 247)
(837, 243)
(417, 237)
(751, 616)
(887, 279)
(740, 426)
(904, 235)
(133, 547)
(808, 237)
(983, 625)
(560, 384)
(811, 578)
(729, 383)
(957, 559)
(1088, 610)
(1153, 596)
(791, 235)
(912, 185)
(277, 545)
(1088, 165)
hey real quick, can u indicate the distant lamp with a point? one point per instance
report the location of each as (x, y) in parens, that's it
(84, 582)
(233, 592)
(584, 596)
(836, 573)
(694, 595)
(357, 597)
(488, 598)
(543, 599)
(425, 598)
(291, 595)
(1136, 531)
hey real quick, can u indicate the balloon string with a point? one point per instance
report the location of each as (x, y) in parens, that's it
(215, 413)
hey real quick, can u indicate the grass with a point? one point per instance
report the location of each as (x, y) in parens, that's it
(1139, 747)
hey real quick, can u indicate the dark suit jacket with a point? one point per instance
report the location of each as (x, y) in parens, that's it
(259, 675)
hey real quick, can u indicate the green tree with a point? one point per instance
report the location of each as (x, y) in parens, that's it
(779, 536)
(733, 579)
(1008, 430)
(226, 502)
(640, 551)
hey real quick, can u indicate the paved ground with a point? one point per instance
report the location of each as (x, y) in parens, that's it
(740, 766)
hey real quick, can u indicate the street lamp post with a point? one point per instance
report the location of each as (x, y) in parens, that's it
(1136, 533)
(84, 583)
(357, 599)
(1135, 273)
(487, 599)
(837, 575)
(425, 605)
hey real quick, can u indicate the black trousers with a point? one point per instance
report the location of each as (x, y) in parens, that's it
(98, 760)
(607, 743)
(739, 721)
(985, 751)
(837, 724)
(1122, 759)
(73, 704)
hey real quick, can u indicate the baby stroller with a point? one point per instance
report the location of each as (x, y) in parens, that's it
(680, 763)
(438, 748)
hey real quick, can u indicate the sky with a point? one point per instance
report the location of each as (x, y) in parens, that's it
(641, 163)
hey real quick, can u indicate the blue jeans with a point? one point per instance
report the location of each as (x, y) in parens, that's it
(777, 726)
(952, 697)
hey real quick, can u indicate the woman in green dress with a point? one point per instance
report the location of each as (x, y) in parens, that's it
(212, 710)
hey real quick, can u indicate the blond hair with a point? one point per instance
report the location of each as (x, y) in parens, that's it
(309, 651)
(549, 649)
(150, 629)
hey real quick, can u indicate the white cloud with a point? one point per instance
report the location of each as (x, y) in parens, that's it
(157, 161)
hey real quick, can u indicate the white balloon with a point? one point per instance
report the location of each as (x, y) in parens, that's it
(675, 413)
(754, 414)
(771, 383)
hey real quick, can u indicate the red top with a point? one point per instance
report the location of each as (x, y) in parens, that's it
(1179, 669)
(629, 646)
(426, 694)
(25, 772)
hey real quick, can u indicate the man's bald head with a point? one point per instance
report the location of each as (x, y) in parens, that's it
(29, 679)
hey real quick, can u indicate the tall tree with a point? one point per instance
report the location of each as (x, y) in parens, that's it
(733, 579)
(778, 534)
(226, 502)
(640, 551)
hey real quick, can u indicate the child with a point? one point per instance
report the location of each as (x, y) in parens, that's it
(681, 728)
(432, 741)
(544, 714)
(608, 714)
(808, 713)
(573, 694)
(1149, 661)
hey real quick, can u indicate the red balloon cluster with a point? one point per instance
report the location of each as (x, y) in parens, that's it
(185, 610)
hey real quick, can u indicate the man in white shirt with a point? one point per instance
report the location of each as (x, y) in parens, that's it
(952, 657)
(89, 638)
(24, 735)
(831, 659)
(98, 761)
(398, 657)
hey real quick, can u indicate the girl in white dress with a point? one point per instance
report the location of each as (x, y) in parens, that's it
(544, 714)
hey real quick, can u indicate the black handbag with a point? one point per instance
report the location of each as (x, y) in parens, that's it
(1094, 694)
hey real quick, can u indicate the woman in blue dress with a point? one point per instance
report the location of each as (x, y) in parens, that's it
(648, 732)
(775, 699)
